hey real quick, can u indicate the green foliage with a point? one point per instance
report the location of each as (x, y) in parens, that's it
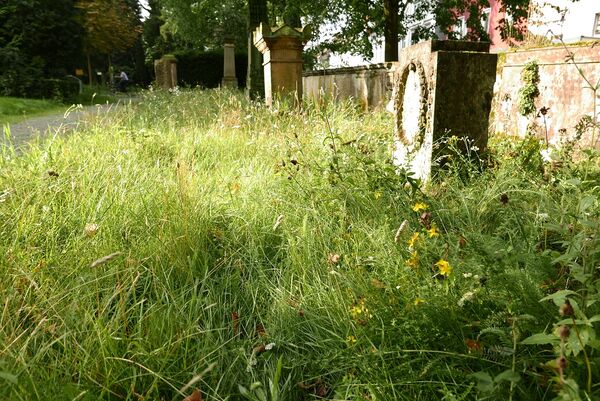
(110, 25)
(38, 38)
(529, 92)
(57, 89)
(205, 24)
(201, 239)
(205, 69)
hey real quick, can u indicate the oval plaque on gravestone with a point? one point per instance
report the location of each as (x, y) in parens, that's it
(411, 108)
(411, 101)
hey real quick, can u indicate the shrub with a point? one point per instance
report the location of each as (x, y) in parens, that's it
(205, 69)
(53, 88)
(18, 74)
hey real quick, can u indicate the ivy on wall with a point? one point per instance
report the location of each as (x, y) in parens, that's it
(530, 76)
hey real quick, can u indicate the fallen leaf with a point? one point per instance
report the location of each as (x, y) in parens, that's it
(278, 222)
(259, 349)
(400, 230)
(235, 318)
(90, 229)
(260, 330)
(105, 259)
(333, 258)
(377, 283)
(195, 396)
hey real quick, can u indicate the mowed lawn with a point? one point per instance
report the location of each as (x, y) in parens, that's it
(197, 240)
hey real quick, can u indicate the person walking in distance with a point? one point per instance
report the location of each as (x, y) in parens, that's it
(123, 81)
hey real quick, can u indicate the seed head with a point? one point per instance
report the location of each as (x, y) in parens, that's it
(566, 309)
(563, 332)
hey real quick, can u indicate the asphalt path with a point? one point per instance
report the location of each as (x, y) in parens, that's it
(19, 134)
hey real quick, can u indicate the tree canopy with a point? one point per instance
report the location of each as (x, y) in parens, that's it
(37, 38)
(358, 23)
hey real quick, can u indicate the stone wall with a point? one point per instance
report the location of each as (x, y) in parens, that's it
(562, 89)
(369, 85)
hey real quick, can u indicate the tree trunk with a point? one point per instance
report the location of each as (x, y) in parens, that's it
(111, 75)
(257, 13)
(89, 66)
(390, 12)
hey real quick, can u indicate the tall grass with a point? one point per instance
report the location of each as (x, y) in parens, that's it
(194, 239)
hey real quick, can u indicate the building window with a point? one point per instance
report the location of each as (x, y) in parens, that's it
(485, 19)
(460, 28)
(597, 25)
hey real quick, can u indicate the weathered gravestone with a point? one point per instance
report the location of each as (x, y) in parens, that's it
(165, 70)
(282, 59)
(229, 79)
(441, 89)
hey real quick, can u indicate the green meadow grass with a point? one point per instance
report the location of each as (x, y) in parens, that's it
(195, 239)
(14, 109)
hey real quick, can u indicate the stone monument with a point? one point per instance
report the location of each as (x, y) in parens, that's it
(165, 70)
(282, 59)
(441, 89)
(229, 79)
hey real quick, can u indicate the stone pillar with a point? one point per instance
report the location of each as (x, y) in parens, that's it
(165, 70)
(441, 89)
(229, 78)
(282, 59)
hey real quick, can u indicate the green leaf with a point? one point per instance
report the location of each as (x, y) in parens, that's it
(485, 383)
(595, 318)
(558, 297)
(586, 202)
(507, 375)
(9, 377)
(243, 390)
(573, 182)
(540, 338)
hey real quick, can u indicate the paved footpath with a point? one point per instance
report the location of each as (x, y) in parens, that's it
(54, 124)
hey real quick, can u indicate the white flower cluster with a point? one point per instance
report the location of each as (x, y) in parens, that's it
(467, 297)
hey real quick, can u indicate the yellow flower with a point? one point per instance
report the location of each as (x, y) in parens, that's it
(418, 301)
(444, 266)
(377, 194)
(356, 311)
(350, 340)
(420, 206)
(414, 260)
(433, 231)
(413, 240)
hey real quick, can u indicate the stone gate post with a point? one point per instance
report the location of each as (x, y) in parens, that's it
(165, 71)
(229, 78)
(282, 59)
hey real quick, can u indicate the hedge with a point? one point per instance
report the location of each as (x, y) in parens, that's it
(59, 89)
(205, 69)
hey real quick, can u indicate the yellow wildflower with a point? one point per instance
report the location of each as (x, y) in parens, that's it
(350, 340)
(444, 266)
(356, 311)
(359, 312)
(414, 260)
(420, 206)
(433, 231)
(377, 194)
(413, 240)
(418, 301)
